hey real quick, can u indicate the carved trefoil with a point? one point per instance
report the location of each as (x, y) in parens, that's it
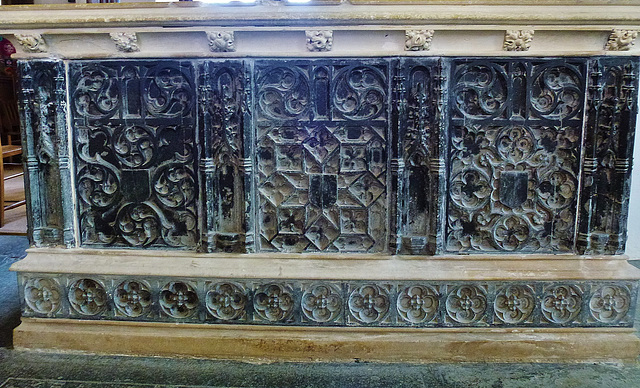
(43, 113)
(221, 88)
(221, 41)
(321, 133)
(518, 40)
(32, 43)
(606, 174)
(319, 40)
(418, 40)
(135, 153)
(125, 41)
(514, 135)
(621, 40)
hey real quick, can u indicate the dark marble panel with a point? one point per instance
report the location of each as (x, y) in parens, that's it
(610, 123)
(46, 153)
(593, 303)
(322, 155)
(515, 133)
(135, 153)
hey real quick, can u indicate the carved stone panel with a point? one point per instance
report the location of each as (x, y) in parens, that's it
(612, 107)
(134, 128)
(44, 111)
(514, 153)
(321, 154)
(221, 87)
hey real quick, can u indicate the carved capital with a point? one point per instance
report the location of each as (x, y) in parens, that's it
(33, 43)
(621, 40)
(319, 40)
(517, 40)
(418, 40)
(125, 41)
(221, 41)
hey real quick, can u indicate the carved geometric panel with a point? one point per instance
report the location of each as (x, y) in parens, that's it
(134, 125)
(515, 136)
(321, 132)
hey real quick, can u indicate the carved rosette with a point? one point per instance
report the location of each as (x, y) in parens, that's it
(221, 41)
(319, 40)
(43, 296)
(418, 40)
(466, 304)
(132, 299)
(226, 301)
(621, 40)
(179, 300)
(418, 304)
(274, 303)
(517, 40)
(88, 297)
(125, 41)
(369, 303)
(33, 43)
(561, 304)
(514, 304)
(610, 304)
(322, 303)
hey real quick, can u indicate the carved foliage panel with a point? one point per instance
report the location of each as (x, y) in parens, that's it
(610, 130)
(43, 111)
(321, 133)
(514, 153)
(134, 128)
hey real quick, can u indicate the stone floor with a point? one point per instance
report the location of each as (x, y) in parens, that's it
(35, 369)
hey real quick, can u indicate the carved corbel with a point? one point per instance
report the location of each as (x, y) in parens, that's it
(621, 40)
(319, 40)
(418, 40)
(221, 41)
(33, 43)
(125, 41)
(517, 40)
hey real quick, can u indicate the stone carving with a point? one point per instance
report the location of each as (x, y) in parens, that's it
(418, 40)
(319, 40)
(610, 129)
(561, 304)
(466, 304)
(47, 176)
(221, 93)
(418, 304)
(514, 304)
(179, 300)
(135, 162)
(369, 303)
(610, 304)
(513, 181)
(125, 41)
(322, 183)
(33, 43)
(434, 304)
(43, 296)
(621, 40)
(221, 41)
(421, 165)
(87, 297)
(226, 301)
(273, 303)
(517, 40)
(322, 303)
(132, 299)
